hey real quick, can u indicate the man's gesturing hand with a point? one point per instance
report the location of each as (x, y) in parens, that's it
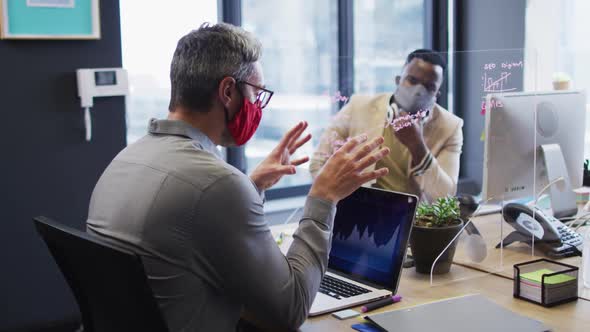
(345, 171)
(279, 162)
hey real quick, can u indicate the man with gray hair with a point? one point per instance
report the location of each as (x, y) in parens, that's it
(197, 221)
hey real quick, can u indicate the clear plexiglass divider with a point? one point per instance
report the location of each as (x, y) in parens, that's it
(534, 127)
(501, 159)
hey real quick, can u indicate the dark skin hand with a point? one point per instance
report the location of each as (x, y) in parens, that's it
(430, 76)
(413, 139)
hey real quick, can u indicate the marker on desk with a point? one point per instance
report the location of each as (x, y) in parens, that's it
(381, 303)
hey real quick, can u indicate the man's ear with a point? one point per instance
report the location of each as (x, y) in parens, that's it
(225, 92)
(397, 80)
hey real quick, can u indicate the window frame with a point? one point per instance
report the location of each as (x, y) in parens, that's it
(230, 11)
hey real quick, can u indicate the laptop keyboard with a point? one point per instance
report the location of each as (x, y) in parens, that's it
(339, 289)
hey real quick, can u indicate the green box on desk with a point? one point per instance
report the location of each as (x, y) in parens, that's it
(546, 282)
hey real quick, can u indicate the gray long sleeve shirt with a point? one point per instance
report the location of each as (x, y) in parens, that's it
(199, 224)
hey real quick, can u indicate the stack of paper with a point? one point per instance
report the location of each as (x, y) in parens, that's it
(582, 195)
(557, 288)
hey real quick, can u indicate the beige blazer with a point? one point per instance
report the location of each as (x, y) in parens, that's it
(368, 115)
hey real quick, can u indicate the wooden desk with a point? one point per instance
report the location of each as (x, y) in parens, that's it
(501, 262)
(470, 278)
(416, 289)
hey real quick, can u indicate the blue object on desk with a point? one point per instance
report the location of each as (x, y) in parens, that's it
(365, 327)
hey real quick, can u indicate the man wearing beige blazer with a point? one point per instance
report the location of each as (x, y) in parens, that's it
(425, 139)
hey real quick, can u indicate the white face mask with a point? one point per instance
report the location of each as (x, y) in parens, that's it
(414, 98)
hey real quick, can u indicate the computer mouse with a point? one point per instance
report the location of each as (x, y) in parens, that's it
(467, 205)
(477, 249)
(475, 244)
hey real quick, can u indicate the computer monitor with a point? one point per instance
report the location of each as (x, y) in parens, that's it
(528, 131)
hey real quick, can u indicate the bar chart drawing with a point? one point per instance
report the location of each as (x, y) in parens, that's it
(493, 84)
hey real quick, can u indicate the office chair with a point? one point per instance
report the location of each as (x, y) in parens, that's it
(109, 283)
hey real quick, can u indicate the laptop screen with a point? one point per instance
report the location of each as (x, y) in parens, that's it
(370, 235)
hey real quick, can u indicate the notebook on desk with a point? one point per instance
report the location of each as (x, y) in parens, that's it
(460, 314)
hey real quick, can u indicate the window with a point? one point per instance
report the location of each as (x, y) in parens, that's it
(299, 64)
(556, 40)
(300, 60)
(148, 36)
(385, 32)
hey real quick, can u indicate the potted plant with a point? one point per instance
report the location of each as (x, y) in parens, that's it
(435, 226)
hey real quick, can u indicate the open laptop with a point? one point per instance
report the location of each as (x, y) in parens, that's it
(369, 242)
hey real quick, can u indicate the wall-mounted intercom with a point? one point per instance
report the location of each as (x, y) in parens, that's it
(99, 82)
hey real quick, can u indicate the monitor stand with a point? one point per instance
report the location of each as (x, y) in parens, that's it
(563, 198)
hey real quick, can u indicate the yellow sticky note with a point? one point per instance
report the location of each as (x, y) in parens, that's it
(537, 276)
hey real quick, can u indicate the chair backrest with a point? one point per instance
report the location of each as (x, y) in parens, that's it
(109, 283)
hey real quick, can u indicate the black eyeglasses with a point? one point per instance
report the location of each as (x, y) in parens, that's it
(263, 97)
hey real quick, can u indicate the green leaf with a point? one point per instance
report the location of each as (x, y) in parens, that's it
(443, 211)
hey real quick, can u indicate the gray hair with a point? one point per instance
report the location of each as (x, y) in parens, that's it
(204, 57)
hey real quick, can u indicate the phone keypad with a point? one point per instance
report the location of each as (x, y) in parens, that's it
(568, 236)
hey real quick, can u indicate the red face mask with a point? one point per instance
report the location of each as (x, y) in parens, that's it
(244, 124)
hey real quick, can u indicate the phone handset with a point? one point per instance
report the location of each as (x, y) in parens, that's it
(554, 238)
